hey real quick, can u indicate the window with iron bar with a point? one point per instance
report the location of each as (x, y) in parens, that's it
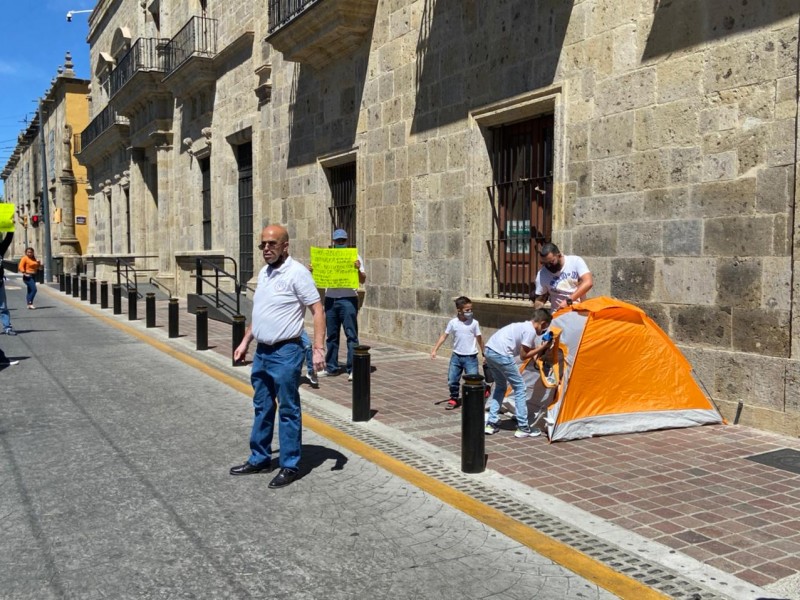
(205, 171)
(342, 180)
(521, 199)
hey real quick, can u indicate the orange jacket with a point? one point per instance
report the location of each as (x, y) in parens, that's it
(28, 266)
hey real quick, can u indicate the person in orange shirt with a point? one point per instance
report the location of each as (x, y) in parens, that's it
(29, 266)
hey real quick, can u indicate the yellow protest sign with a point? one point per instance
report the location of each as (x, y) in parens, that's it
(335, 267)
(6, 217)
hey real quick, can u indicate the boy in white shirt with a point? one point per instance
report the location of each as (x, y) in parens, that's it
(516, 339)
(466, 340)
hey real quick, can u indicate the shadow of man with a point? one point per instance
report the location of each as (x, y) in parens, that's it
(314, 456)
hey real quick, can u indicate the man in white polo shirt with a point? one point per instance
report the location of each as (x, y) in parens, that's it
(284, 290)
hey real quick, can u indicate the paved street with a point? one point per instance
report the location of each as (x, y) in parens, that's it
(114, 465)
(118, 454)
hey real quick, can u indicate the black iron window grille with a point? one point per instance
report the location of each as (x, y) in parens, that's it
(103, 121)
(283, 11)
(146, 54)
(342, 180)
(244, 158)
(521, 198)
(197, 38)
(205, 171)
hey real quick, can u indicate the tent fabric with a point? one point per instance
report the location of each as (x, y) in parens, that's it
(619, 373)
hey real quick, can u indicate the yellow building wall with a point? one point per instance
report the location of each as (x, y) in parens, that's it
(77, 117)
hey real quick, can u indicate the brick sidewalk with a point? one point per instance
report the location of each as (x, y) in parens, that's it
(692, 489)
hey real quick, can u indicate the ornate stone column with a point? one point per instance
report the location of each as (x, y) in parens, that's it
(68, 242)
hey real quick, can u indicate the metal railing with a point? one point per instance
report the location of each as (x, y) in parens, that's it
(129, 270)
(197, 38)
(283, 11)
(218, 272)
(158, 284)
(105, 119)
(146, 54)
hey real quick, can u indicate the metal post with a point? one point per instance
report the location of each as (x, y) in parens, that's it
(361, 395)
(67, 283)
(132, 304)
(202, 327)
(103, 294)
(150, 309)
(76, 285)
(172, 313)
(198, 282)
(93, 291)
(116, 292)
(237, 334)
(61, 282)
(45, 206)
(473, 439)
(84, 288)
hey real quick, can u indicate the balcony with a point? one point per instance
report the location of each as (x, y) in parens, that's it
(107, 133)
(316, 32)
(188, 56)
(137, 76)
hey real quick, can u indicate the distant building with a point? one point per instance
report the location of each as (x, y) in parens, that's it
(65, 109)
(451, 138)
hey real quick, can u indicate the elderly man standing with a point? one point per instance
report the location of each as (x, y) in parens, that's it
(563, 279)
(284, 290)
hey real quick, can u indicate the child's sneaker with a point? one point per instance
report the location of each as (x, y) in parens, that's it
(526, 431)
(452, 403)
(491, 428)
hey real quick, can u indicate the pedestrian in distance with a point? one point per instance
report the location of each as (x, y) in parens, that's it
(512, 341)
(284, 290)
(562, 279)
(311, 374)
(29, 266)
(466, 333)
(341, 312)
(5, 315)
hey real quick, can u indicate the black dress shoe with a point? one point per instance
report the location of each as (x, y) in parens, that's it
(249, 469)
(283, 478)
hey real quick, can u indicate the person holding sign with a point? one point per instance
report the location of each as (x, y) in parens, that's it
(29, 266)
(341, 306)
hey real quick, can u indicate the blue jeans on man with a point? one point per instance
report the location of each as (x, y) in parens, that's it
(466, 364)
(5, 316)
(275, 377)
(340, 312)
(506, 373)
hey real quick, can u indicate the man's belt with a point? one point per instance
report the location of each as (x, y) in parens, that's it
(267, 347)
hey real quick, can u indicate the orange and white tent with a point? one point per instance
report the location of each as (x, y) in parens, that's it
(616, 371)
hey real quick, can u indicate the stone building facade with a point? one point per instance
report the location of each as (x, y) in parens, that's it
(658, 140)
(65, 109)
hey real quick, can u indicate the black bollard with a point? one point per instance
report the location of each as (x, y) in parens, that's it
(473, 442)
(76, 290)
(172, 317)
(237, 334)
(361, 409)
(150, 309)
(132, 304)
(103, 294)
(116, 292)
(202, 327)
(61, 282)
(84, 288)
(93, 291)
(67, 284)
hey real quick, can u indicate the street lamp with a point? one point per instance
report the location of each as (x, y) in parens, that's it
(76, 12)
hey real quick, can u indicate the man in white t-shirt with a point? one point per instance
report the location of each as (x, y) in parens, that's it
(284, 290)
(563, 279)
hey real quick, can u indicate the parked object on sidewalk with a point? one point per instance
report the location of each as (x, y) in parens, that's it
(617, 372)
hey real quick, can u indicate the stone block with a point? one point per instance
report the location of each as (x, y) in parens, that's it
(776, 283)
(418, 159)
(716, 199)
(682, 237)
(611, 136)
(703, 325)
(657, 312)
(651, 169)
(632, 279)
(685, 281)
(755, 380)
(429, 300)
(578, 142)
(738, 236)
(723, 165)
(680, 78)
(618, 208)
(745, 61)
(738, 282)
(666, 203)
(639, 238)
(626, 92)
(761, 331)
(581, 174)
(781, 238)
(685, 165)
(600, 240)
(614, 175)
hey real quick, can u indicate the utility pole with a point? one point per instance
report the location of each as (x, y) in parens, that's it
(48, 253)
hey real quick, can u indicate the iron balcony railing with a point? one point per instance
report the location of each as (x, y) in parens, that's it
(197, 38)
(146, 54)
(106, 119)
(283, 11)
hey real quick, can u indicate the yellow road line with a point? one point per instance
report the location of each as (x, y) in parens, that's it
(560, 553)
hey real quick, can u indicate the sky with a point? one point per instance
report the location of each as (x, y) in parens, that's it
(35, 38)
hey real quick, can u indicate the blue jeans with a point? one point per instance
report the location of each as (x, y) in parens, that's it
(340, 312)
(275, 377)
(460, 363)
(5, 316)
(308, 350)
(506, 373)
(30, 283)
